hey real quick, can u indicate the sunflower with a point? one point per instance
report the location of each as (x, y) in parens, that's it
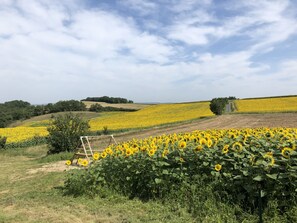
(286, 152)
(96, 156)
(225, 149)
(151, 152)
(129, 152)
(181, 160)
(218, 167)
(68, 162)
(237, 146)
(84, 162)
(182, 144)
(209, 143)
(198, 148)
(109, 151)
(103, 155)
(165, 152)
(203, 141)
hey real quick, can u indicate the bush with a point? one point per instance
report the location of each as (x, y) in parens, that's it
(96, 108)
(65, 131)
(217, 105)
(2, 142)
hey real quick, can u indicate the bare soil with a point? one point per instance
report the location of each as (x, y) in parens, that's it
(219, 122)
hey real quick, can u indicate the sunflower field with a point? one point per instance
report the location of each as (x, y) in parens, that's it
(152, 116)
(282, 104)
(23, 136)
(249, 166)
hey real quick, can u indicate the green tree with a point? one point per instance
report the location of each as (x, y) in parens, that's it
(96, 108)
(65, 131)
(217, 105)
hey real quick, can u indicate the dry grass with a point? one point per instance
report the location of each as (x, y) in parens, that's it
(126, 106)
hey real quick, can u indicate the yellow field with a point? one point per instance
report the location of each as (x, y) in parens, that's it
(267, 105)
(149, 116)
(152, 115)
(19, 134)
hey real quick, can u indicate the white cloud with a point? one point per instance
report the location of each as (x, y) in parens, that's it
(144, 7)
(265, 23)
(52, 51)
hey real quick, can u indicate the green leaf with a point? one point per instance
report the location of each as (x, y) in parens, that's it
(165, 172)
(237, 177)
(272, 176)
(158, 180)
(258, 178)
(245, 173)
(263, 193)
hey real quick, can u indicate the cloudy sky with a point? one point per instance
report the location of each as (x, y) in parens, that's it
(147, 50)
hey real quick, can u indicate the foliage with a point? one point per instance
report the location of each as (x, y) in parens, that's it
(17, 110)
(34, 141)
(217, 105)
(71, 105)
(2, 142)
(281, 104)
(65, 131)
(249, 167)
(112, 100)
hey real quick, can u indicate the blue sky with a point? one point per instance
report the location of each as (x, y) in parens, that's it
(147, 51)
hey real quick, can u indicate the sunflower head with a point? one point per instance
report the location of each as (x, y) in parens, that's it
(96, 156)
(286, 152)
(218, 167)
(68, 162)
(225, 149)
(198, 148)
(85, 163)
(182, 144)
(237, 146)
(151, 152)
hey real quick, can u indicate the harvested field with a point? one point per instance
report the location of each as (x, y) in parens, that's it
(135, 106)
(219, 122)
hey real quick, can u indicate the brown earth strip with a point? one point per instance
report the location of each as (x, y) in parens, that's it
(219, 122)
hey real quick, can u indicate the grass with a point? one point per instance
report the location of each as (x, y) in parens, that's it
(36, 196)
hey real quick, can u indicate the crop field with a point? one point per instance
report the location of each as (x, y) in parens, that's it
(149, 116)
(152, 116)
(135, 106)
(20, 134)
(282, 104)
(172, 164)
(253, 163)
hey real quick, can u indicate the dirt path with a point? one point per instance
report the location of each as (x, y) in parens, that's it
(219, 122)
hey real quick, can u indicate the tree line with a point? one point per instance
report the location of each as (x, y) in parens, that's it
(111, 100)
(17, 110)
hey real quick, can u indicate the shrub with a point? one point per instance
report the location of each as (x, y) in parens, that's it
(65, 131)
(217, 105)
(96, 108)
(2, 142)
